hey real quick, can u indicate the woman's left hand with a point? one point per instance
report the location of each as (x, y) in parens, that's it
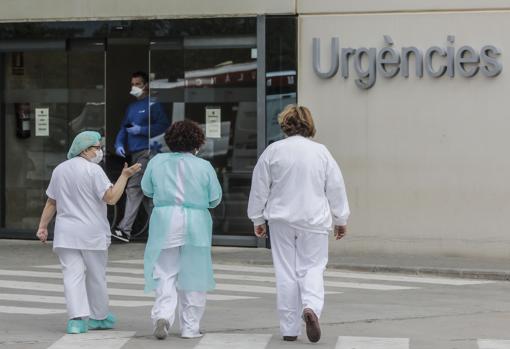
(42, 234)
(130, 171)
(340, 231)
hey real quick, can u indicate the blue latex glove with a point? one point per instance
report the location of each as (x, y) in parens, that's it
(120, 151)
(134, 130)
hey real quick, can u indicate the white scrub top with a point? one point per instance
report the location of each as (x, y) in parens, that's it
(297, 182)
(78, 186)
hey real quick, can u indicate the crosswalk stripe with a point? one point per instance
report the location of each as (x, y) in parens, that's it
(94, 340)
(138, 271)
(43, 286)
(340, 274)
(329, 273)
(254, 289)
(33, 298)
(128, 261)
(29, 311)
(364, 276)
(240, 277)
(357, 285)
(336, 274)
(493, 344)
(238, 341)
(371, 343)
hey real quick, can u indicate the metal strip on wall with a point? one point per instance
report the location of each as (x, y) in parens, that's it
(261, 84)
(2, 146)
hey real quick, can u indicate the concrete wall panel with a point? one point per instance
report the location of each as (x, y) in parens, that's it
(353, 6)
(425, 160)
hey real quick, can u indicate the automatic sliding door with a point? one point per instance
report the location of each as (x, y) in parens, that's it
(53, 90)
(220, 77)
(213, 82)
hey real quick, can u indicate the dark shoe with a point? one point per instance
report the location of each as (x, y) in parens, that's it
(289, 338)
(120, 235)
(161, 330)
(313, 329)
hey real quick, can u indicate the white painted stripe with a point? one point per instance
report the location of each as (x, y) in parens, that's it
(493, 344)
(49, 266)
(128, 261)
(94, 340)
(254, 289)
(29, 273)
(29, 311)
(33, 298)
(238, 341)
(411, 279)
(328, 274)
(357, 285)
(134, 271)
(371, 343)
(364, 276)
(42, 286)
(224, 297)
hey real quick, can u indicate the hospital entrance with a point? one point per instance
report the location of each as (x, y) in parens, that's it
(64, 78)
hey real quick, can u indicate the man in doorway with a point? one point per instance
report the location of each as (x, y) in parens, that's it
(144, 118)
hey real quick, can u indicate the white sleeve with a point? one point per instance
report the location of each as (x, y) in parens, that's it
(260, 188)
(100, 182)
(215, 191)
(335, 192)
(51, 191)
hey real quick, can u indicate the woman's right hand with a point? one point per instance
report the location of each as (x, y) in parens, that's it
(260, 231)
(130, 171)
(42, 234)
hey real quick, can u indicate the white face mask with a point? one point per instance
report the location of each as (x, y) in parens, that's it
(136, 91)
(98, 158)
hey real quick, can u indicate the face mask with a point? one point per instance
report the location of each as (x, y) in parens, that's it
(136, 91)
(98, 158)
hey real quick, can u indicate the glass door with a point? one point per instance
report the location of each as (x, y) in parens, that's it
(52, 90)
(213, 81)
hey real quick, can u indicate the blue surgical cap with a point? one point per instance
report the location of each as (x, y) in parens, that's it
(83, 141)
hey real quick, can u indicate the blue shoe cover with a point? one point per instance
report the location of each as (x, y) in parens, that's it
(76, 326)
(105, 324)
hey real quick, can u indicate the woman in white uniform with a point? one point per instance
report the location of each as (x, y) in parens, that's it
(298, 188)
(177, 261)
(78, 193)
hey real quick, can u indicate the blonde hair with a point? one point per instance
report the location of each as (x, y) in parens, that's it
(297, 120)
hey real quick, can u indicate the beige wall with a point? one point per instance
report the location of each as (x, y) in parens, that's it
(22, 10)
(350, 6)
(426, 161)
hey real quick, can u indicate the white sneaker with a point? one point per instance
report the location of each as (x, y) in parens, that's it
(119, 234)
(161, 330)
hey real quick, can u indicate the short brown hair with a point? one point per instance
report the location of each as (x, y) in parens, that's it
(184, 136)
(297, 120)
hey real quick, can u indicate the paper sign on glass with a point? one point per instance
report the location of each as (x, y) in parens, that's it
(213, 122)
(42, 122)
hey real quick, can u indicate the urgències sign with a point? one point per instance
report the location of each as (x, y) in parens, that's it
(465, 61)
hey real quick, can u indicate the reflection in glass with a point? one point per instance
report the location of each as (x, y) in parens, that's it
(49, 98)
(281, 67)
(215, 87)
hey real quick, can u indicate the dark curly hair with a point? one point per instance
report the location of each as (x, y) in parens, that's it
(184, 136)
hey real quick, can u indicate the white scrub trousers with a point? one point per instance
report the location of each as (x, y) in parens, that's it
(299, 259)
(85, 287)
(191, 304)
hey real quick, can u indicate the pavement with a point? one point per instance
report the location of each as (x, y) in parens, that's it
(372, 302)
